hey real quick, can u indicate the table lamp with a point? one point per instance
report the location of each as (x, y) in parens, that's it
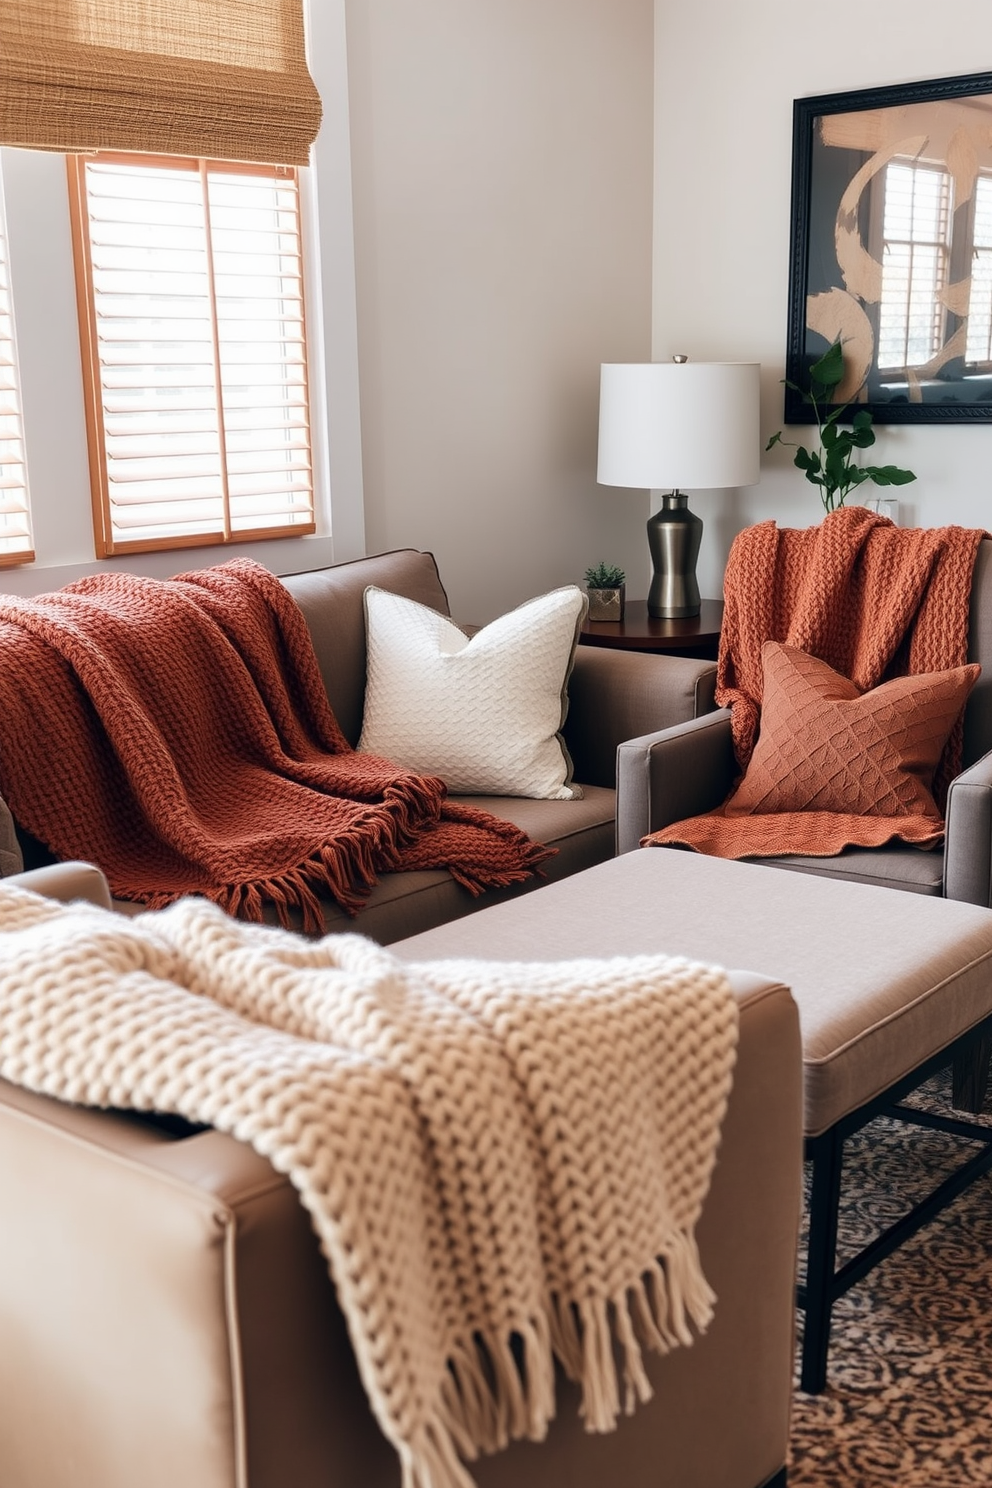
(678, 424)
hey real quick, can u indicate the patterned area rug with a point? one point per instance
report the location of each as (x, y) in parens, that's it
(909, 1398)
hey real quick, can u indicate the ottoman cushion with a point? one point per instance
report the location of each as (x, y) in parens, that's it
(883, 979)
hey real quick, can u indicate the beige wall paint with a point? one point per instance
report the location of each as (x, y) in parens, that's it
(501, 155)
(727, 74)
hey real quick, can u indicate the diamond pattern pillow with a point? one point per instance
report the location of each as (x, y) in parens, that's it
(482, 712)
(825, 746)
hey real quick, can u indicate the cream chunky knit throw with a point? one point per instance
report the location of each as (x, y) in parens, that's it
(503, 1163)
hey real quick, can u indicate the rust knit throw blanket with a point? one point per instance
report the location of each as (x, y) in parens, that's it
(872, 600)
(178, 734)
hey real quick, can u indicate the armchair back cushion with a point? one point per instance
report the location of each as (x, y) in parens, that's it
(333, 602)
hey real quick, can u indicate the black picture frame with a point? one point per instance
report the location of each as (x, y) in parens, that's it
(873, 170)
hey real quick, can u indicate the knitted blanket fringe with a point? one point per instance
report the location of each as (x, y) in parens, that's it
(504, 1164)
(872, 600)
(181, 738)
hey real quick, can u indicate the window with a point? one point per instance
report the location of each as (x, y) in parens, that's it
(915, 260)
(190, 291)
(15, 520)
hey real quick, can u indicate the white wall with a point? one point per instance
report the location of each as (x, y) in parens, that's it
(501, 156)
(502, 179)
(727, 74)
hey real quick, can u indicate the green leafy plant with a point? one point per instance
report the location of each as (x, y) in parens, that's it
(605, 576)
(832, 467)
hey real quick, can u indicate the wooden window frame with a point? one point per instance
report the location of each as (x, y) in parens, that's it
(108, 545)
(26, 554)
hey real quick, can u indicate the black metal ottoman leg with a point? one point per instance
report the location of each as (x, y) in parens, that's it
(826, 1153)
(970, 1071)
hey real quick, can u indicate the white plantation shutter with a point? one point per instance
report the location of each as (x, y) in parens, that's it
(192, 315)
(979, 346)
(15, 520)
(916, 240)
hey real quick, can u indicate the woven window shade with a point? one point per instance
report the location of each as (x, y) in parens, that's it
(224, 79)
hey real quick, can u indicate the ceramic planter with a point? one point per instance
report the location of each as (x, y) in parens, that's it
(606, 604)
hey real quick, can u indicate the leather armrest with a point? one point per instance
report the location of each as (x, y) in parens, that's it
(667, 776)
(968, 839)
(65, 882)
(615, 695)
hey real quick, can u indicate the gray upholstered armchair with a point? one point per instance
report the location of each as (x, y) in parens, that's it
(690, 769)
(685, 770)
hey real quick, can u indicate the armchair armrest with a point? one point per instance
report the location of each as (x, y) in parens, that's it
(968, 836)
(66, 881)
(11, 857)
(615, 695)
(667, 776)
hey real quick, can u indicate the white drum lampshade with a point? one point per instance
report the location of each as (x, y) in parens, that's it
(679, 424)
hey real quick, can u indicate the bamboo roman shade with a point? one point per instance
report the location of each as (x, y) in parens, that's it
(221, 79)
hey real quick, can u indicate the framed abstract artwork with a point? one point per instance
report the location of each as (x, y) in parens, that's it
(892, 249)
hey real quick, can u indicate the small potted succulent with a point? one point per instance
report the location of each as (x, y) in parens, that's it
(605, 587)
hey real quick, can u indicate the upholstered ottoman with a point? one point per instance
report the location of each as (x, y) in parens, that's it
(890, 987)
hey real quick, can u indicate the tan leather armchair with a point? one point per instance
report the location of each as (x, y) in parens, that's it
(166, 1319)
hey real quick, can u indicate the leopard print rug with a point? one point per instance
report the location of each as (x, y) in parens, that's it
(909, 1398)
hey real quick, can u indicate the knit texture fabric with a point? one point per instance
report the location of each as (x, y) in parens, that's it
(178, 734)
(504, 1164)
(826, 750)
(872, 600)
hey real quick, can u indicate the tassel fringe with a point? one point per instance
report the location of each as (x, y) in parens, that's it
(498, 1391)
(394, 834)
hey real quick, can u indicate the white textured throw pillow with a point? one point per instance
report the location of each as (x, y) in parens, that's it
(483, 713)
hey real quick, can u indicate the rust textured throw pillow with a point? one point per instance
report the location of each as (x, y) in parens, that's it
(825, 746)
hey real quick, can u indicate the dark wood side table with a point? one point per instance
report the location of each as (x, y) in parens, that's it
(639, 631)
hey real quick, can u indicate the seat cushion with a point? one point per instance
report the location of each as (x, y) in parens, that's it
(883, 979)
(917, 870)
(583, 831)
(402, 904)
